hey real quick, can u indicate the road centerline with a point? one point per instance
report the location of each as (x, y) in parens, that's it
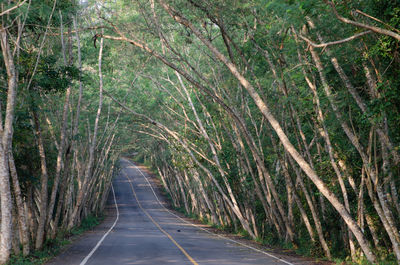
(157, 225)
(200, 228)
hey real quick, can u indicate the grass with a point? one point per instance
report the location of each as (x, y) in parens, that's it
(87, 224)
(52, 247)
(384, 259)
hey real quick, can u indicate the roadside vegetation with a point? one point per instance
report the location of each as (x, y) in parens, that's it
(52, 247)
(278, 119)
(56, 154)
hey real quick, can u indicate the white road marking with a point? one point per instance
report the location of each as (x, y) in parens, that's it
(157, 224)
(83, 262)
(198, 227)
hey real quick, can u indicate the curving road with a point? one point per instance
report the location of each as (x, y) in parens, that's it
(141, 231)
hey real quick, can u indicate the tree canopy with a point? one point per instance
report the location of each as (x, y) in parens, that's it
(275, 119)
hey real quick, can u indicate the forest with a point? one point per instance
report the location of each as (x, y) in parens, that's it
(275, 119)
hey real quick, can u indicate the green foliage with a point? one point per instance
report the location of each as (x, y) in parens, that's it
(87, 223)
(142, 83)
(272, 26)
(51, 248)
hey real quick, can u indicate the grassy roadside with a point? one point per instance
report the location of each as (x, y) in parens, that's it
(53, 247)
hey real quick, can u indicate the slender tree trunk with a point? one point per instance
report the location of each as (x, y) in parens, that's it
(182, 189)
(323, 131)
(282, 136)
(62, 194)
(293, 152)
(89, 167)
(43, 182)
(389, 227)
(61, 145)
(216, 159)
(20, 205)
(6, 215)
(6, 134)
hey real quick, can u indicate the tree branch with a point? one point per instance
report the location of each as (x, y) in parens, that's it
(378, 20)
(361, 25)
(12, 8)
(79, 30)
(323, 45)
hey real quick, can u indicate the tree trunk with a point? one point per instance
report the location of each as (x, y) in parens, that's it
(43, 182)
(6, 134)
(20, 205)
(391, 230)
(61, 145)
(89, 167)
(216, 159)
(282, 136)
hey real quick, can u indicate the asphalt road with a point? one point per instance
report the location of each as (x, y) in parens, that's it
(147, 233)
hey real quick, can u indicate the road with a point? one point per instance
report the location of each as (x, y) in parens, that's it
(140, 230)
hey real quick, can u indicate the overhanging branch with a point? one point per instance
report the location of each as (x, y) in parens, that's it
(323, 45)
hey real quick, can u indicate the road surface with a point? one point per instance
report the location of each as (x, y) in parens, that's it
(139, 230)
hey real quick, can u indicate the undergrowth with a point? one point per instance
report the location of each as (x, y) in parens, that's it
(52, 247)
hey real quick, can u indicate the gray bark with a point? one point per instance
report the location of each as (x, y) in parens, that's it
(263, 107)
(89, 167)
(43, 182)
(6, 134)
(61, 145)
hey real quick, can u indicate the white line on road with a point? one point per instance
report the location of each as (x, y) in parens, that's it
(198, 227)
(158, 225)
(83, 262)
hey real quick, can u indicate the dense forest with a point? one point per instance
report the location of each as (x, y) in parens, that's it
(276, 119)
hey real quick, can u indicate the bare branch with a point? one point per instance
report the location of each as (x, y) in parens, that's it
(12, 8)
(362, 25)
(41, 46)
(378, 20)
(79, 30)
(323, 45)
